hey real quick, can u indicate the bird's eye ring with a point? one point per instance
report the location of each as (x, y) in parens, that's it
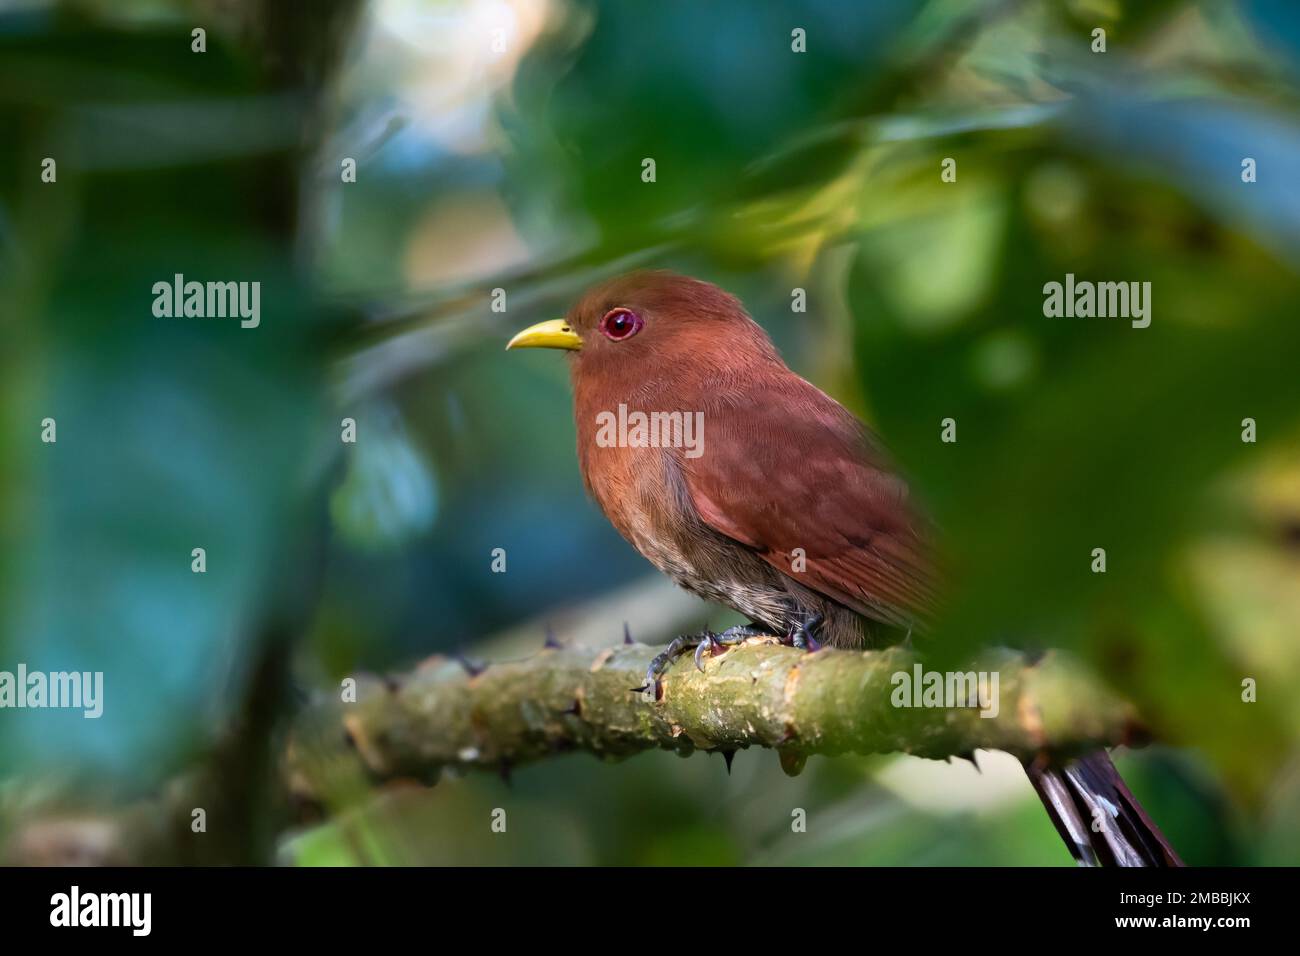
(620, 324)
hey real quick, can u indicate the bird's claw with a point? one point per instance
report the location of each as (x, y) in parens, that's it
(803, 636)
(676, 647)
(713, 643)
(708, 642)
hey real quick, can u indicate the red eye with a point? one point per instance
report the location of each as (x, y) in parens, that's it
(619, 324)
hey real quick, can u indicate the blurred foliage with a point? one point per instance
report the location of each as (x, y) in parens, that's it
(171, 434)
(512, 160)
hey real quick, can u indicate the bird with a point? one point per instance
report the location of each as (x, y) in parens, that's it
(749, 486)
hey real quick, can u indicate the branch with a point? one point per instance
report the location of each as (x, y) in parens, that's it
(758, 694)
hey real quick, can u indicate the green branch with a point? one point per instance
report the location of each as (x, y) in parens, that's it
(758, 694)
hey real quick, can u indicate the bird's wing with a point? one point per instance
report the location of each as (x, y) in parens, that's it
(788, 468)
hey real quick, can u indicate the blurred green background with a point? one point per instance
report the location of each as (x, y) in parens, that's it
(499, 145)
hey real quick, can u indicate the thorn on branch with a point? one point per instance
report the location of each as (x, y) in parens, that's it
(728, 756)
(472, 667)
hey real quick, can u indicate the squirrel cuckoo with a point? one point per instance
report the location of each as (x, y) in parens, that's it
(787, 509)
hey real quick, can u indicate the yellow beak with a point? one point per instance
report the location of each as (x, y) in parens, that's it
(554, 334)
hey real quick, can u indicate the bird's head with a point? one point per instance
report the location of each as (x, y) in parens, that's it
(653, 324)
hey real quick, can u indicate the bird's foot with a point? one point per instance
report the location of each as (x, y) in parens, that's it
(728, 638)
(804, 634)
(701, 642)
(734, 635)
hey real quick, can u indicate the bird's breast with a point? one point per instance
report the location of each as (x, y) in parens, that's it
(640, 487)
(643, 493)
(640, 492)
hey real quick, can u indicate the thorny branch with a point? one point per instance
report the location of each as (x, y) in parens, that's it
(446, 714)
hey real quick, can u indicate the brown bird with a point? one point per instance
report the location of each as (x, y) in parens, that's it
(749, 486)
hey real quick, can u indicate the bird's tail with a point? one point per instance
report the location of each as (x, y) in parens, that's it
(1098, 818)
